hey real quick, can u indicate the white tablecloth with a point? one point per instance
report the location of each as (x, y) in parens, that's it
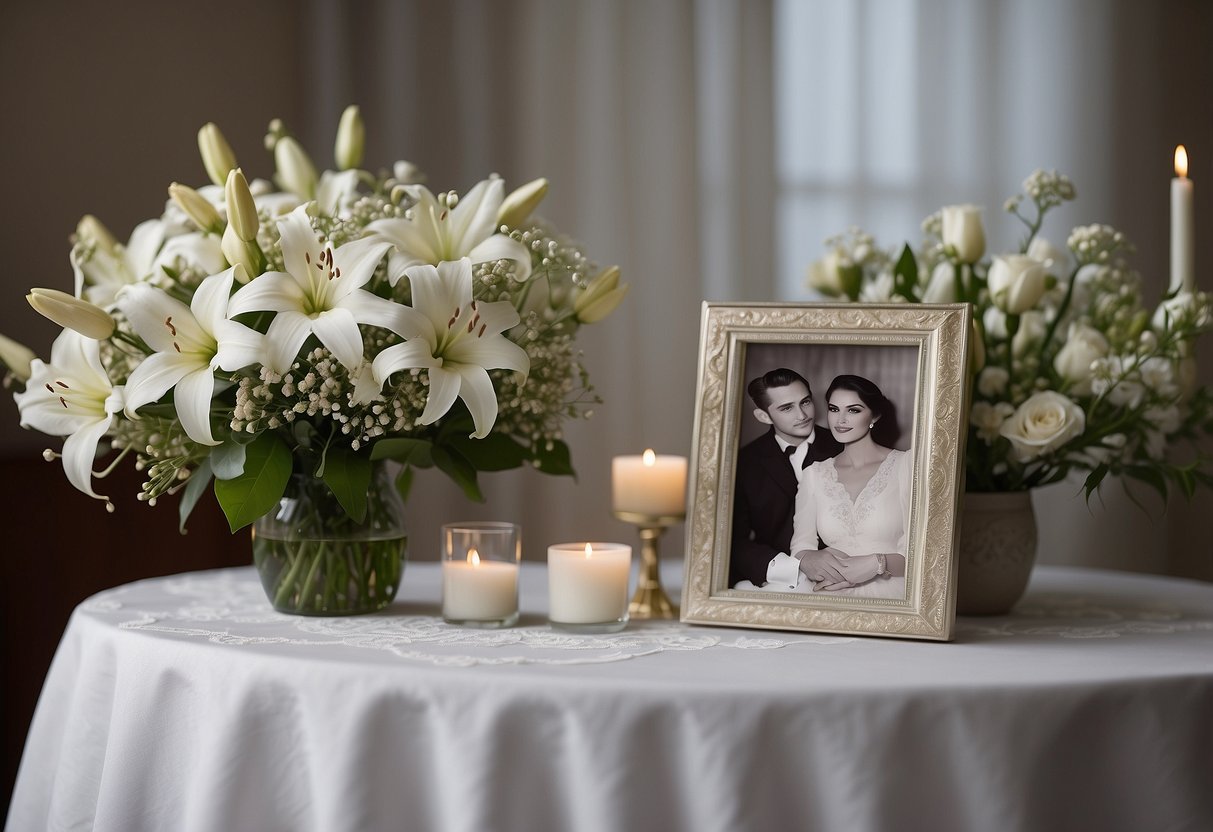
(184, 703)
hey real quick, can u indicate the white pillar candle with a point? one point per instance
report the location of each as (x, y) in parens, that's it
(1183, 271)
(479, 590)
(588, 582)
(649, 484)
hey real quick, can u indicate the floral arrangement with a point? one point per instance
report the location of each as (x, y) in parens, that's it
(1072, 370)
(315, 325)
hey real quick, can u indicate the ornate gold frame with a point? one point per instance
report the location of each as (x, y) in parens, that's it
(941, 334)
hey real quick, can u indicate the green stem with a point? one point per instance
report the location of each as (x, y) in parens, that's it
(1061, 311)
(285, 583)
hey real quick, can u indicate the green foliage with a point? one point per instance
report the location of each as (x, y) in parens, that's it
(267, 468)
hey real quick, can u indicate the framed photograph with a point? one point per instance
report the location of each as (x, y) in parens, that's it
(828, 466)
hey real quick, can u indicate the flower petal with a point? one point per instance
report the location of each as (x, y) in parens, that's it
(299, 242)
(270, 292)
(373, 310)
(141, 249)
(209, 303)
(477, 393)
(155, 376)
(238, 346)
(285, 336)
(490, 352)
(200, 251)
(411, 354)
(357, 261)
(167, 324)
(501, 247)
(444, 389)
(79, 451)
(475, 217)
(193, 398)
(338, 331)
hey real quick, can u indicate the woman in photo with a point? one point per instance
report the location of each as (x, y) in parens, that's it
(857, 502)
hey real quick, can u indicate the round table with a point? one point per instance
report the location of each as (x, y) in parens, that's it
(185, 703)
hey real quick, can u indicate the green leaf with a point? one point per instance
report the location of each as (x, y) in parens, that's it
(404, 482)
(348, 474)
(267, 468)
(1150, 476)
(496, 452)
(227, 460)
(416, 452)
(456, 466)
(905, 274)
(555, 461)
(852, 280)
(199, 480)
(1093, 480)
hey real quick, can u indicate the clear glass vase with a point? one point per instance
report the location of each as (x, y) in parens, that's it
(314, 560)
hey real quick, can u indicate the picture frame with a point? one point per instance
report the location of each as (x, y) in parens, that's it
(921, 354)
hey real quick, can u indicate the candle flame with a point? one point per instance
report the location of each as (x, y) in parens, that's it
(589, 550)
(650, 458)
(1181, 162)
(473, 557)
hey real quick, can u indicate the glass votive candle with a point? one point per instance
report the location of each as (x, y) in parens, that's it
(588, 586)
(480, 574)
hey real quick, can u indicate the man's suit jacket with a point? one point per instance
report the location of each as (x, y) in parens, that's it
(764, 502)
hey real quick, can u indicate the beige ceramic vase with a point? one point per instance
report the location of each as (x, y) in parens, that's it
(997, 551)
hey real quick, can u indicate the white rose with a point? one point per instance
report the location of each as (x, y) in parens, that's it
(1158, 374)
(963, 233)
(1043, 423)
(1165, 419)
(1054, 259)
(995, 322)
(1016, 282)
(942, 286)
(988, 419)
(1074, 360)
(825, 275)
(1031, 331)
(993, 381)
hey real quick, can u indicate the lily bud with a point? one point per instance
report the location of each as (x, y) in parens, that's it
(92, 230)
(406, 173)
(196, 207)
(241, 209)
(351, 139)
(217, 155)
(521, 202)
(240, 253)
(296, 173)
(600, 297)
(17, 357)
(70, 312)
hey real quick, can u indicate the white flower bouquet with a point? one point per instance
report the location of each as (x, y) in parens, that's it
(1072, 371)
(315, 325)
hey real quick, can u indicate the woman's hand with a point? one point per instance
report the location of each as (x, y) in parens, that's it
(861, 569)
(823, 567)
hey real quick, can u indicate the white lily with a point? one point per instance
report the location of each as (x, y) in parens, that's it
(191, 342)
(111, 267)
(432, 233)
(456, 340)
(320, 293)
(72, 396)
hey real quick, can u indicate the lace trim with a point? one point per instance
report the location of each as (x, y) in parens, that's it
(853, 513)
(229, 607)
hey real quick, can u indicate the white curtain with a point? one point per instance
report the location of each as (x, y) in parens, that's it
(709, 146)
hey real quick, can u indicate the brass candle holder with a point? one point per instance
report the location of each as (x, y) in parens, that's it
(650, 600)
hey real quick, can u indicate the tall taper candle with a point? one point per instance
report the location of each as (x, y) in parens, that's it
(1183, 272)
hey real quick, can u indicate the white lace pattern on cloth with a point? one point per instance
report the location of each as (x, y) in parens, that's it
(1073, 616)
(229, 607)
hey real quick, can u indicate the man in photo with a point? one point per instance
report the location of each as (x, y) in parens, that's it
(764, 496)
